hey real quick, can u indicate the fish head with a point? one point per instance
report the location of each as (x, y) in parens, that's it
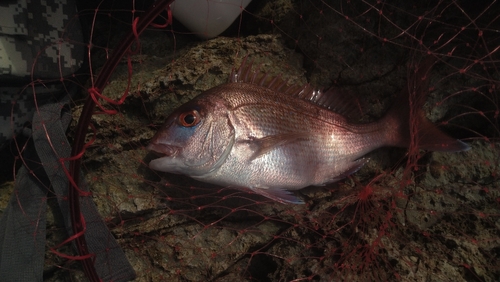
(196, 139)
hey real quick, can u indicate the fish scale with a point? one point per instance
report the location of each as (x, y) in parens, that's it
(315, 160)
(255, 132)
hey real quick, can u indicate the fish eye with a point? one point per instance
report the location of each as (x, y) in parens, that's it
(189, 118)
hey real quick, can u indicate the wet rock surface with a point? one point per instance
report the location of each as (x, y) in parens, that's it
(435, 219)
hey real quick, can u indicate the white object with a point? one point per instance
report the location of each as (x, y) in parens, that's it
(207, 18)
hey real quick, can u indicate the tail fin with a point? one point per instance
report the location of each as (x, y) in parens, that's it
(406, 121)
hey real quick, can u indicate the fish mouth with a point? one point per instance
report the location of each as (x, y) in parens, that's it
(162, 149)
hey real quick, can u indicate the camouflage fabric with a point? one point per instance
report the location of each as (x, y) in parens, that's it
(36, 49)
(37, 54)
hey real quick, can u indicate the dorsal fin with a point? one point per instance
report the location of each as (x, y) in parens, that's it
(343, 103)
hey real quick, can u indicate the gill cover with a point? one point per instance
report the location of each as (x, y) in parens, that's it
(194, 140)
(211, 144)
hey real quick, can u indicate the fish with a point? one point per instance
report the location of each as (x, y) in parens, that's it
(259, 133)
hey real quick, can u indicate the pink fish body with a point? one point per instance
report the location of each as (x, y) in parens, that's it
(258, 133)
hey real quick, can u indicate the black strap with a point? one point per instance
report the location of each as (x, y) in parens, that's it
(22, 231)
(22, 226)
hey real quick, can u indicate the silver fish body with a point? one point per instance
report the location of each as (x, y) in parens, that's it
(257, 133)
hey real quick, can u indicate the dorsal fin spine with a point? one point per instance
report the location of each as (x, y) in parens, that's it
(254, 77)
(263, 79)
(273, 81)
(330, 99)
(281, 85)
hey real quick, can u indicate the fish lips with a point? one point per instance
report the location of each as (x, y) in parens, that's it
(163, 150)
(166, 160)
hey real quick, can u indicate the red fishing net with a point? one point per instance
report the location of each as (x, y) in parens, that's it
(407, 215)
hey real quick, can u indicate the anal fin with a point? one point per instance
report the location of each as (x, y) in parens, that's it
(279, 195)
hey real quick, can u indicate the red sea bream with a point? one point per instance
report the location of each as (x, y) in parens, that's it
(255, 132)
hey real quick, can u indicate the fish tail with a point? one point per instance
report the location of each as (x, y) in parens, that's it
(406, 123)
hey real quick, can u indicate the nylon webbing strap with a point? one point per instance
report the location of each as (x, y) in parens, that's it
(22, 227)
(22, 230)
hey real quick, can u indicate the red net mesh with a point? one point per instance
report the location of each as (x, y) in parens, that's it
(407, 215)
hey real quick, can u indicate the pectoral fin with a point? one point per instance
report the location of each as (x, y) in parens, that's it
(266, 144)
(279, 195)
